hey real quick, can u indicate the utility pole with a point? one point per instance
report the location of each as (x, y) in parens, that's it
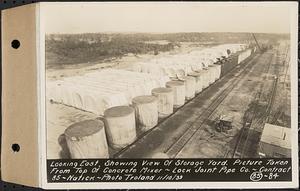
(256, 42)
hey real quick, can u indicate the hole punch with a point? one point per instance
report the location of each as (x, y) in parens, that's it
(15, 147)
(15, 44)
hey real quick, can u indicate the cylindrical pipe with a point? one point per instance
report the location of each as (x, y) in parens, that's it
(205, 78)
(199, 80)
(190, 87)
(218, 70)
(87, 139)
(146, 111)
(213, 71)
(178, 88)
(120, 126)
(165, 101)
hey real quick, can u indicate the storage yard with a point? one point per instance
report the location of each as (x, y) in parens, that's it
(203, 103)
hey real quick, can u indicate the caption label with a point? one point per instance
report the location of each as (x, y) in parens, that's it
(160, 170)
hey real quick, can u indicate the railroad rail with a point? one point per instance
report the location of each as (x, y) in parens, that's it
(216, 102)
(179, 144)
(280, 112)
(253, 124)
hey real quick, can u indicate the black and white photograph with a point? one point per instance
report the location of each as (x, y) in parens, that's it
(183, 84)
(149, 95)
(167, 81)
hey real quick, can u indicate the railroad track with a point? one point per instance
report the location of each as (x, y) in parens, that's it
(252, 125)
(179, 144)
(280, 111)
(219, 99)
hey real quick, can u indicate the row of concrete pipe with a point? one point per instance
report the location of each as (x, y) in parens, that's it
(122, 124)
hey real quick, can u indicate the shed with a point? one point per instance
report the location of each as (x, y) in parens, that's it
(275, 141)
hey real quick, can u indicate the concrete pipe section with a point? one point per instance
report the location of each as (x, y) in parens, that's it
(199, 80)
(120, 126)
(87, 139)
(146, 112)
(165, 101)
(178, 88)
(205, 78)
(190, 87)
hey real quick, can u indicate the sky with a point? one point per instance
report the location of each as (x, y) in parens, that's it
(166, 17)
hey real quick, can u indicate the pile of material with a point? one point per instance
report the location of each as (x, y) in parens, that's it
(183, 64)
(97, 91)
(132, 100)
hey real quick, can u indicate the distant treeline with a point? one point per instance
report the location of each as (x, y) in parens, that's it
(89, 47)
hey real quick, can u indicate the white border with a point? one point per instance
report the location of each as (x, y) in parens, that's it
(136, 185)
